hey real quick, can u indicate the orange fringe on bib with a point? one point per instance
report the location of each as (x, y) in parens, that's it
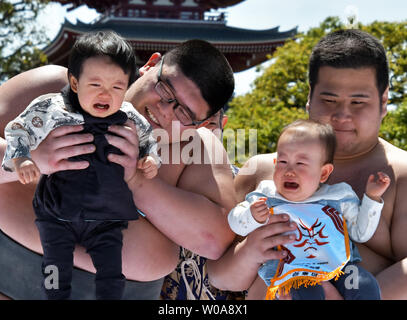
(284, 288)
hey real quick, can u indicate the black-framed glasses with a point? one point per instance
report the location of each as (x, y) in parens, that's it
(167, 96)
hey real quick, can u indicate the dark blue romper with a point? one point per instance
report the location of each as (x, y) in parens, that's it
(89, 207)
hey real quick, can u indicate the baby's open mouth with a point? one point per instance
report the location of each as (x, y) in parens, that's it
(101, 106)
(291, 185)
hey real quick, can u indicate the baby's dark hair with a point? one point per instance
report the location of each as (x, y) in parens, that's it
(99, 44)
(324, 132)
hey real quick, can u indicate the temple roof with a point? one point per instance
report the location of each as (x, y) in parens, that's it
(179, 31)
(243, 48)
(103, 5)
(160, 25)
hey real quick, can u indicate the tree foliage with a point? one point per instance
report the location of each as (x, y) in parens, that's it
(393, 36)
(280, 93)
(20, 37)
(394, 126)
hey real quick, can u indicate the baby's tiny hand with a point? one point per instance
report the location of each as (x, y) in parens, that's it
(26, 169)
(259, 210)
(376, 187)
(149, 167)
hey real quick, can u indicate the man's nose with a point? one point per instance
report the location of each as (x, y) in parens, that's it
(342, 112)
(166, 108)
(164, 105)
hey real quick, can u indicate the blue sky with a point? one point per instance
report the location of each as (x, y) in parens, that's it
(266, 14)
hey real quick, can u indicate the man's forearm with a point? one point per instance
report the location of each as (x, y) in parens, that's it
(393, 281)
(189, 219)
(234, 271)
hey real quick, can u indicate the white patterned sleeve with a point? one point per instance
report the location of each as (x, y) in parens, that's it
(240, 218)
(32, 126)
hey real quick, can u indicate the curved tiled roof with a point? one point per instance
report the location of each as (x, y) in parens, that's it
(176, 30)
(103, 5)
(243, 48)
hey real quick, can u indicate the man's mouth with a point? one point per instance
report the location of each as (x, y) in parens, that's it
(344, 130)
(151, 116)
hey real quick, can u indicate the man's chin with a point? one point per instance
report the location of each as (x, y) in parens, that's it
(345, 150)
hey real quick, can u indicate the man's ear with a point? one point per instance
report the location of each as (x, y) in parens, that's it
(153, 61)
(203, 124)
(326, 171)
(384, 100)
(73, 82)
(224, 120)
(308, 99)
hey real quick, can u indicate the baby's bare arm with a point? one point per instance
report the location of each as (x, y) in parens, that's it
(376, 187)
(259, 210)
(26, 169)
(149, 166)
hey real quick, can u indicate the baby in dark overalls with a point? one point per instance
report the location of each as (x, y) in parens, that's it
(90, 206)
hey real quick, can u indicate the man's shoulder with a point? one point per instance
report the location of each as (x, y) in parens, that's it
(205, 141)
(260, 164)
(256, 169)
(391, 148)
(265, 158)
(202, 135)
(395, 156)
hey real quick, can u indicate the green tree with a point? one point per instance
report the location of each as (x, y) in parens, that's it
(280, 93)
(394, 126)
(20, 37)
(393, 36)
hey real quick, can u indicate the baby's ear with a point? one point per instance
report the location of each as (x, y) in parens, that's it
(326, 171)
(73, 82)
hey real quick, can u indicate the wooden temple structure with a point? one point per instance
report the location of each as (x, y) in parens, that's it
(159, 25)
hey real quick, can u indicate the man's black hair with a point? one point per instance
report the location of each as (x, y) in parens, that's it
(349, 48)
(208, 68)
